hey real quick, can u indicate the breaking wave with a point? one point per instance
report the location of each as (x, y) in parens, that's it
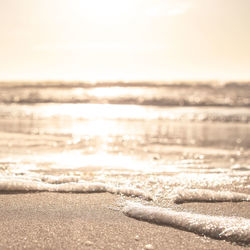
(136, 93)
(75, 84)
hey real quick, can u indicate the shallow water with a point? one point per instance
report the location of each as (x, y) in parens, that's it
(142, 141)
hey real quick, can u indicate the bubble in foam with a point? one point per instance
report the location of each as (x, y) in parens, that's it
(149, 247)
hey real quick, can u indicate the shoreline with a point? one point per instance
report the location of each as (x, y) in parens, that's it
(94, 221)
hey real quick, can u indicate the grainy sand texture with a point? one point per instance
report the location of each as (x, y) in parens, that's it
(94, 221)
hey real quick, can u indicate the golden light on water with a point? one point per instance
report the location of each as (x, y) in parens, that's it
(97, 111)
(135, 98)
(117, 92)
(99, 160)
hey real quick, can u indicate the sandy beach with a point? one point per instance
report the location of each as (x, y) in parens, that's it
(94, 221)
(124, 124)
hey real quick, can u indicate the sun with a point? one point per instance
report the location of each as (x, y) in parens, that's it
(104, 9)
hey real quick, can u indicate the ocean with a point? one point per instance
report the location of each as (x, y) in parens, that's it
(160, 143)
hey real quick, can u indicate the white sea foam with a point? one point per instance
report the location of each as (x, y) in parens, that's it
(203, 181)
(205, 195)
(60, 179)
(234, 229)
(128, 191)
(26, 184)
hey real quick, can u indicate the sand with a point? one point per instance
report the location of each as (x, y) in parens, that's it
(91, 221)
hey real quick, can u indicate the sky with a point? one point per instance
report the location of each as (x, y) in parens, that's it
(102, 40)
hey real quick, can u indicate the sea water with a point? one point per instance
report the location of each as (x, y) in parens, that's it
(168, 143)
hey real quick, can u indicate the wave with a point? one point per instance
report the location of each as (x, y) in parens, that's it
(161, 102)
(101, 84)
(234, 229)
(167, 101)
(136, 93)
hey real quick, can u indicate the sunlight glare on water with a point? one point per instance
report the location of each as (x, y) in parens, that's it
(96, 111)
(101, 159)
(118, 92)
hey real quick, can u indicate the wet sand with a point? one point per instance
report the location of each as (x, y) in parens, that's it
(91, 221)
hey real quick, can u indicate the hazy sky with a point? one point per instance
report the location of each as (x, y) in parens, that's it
(125, 39)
